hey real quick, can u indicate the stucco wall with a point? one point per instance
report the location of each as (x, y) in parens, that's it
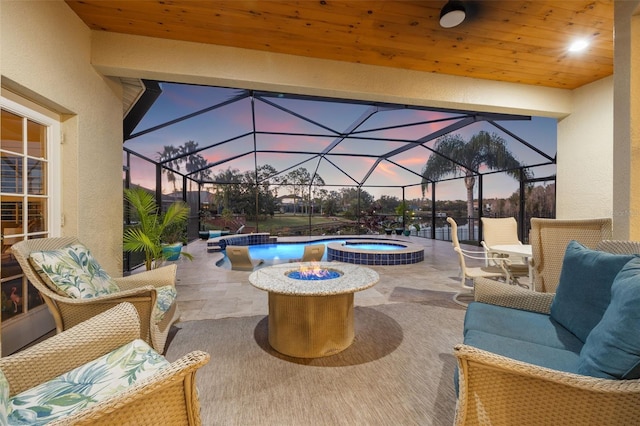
(144, 57)
(45, 56)
(633, 162)
(626, 141)
(585, 154)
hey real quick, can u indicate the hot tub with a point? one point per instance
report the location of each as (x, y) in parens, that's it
(362, 253)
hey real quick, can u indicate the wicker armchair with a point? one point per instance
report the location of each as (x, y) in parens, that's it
(497, 390)
(168, 397)
(549, 239)
(138, 289)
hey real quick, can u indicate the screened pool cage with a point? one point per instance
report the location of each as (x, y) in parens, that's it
(302, 165)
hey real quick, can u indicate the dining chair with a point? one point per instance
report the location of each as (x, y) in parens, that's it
(497, 271)
(549, 239)
(503, 231)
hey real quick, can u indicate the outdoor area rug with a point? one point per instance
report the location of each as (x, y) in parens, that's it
(399, 370)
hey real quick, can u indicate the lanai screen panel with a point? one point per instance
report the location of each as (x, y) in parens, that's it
(351, 143)
(333, 116)
(206, 128)
(293, 143)
(179, 100)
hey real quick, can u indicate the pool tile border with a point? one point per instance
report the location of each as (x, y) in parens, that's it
(412, 253)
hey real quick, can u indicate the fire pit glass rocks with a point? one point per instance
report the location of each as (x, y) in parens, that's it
(313, 273)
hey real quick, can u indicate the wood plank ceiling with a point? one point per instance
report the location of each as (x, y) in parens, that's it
(504, 40)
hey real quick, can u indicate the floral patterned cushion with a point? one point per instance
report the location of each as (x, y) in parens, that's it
(4, 400)
(86, 385)
(72, 271)
(164, 299)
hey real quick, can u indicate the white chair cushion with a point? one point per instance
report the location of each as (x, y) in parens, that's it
(72, 271)
(86, 385)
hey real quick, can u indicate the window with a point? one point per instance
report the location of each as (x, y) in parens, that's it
(29, 149)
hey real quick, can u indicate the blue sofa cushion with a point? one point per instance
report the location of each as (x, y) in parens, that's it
(612, 350)
(584, 289)
(529, 326)
(533, 353)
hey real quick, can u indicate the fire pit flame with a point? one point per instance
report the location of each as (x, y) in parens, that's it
(313, 272)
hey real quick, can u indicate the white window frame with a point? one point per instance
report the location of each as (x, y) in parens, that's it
(53, 156)
(24, 329)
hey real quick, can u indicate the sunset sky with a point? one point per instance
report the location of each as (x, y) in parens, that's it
(234, 120)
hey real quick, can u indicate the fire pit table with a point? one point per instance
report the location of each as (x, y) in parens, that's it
(311, 305)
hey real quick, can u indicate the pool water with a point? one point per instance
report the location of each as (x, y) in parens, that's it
(378, 247)
(273, 254)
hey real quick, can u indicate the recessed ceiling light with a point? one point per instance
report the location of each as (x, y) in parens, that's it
(578, 45)
(452, 14)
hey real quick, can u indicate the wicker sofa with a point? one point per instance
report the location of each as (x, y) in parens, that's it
(570, 357)
(61, 380)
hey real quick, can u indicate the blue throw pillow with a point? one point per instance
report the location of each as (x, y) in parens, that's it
(584, 290)
(612, 350)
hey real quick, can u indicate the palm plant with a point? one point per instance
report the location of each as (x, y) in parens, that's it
(147, 234)
(168, 157)
(456, 156)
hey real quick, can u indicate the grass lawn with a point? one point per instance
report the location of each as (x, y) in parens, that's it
(290, 220)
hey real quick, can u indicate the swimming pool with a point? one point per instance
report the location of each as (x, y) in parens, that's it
(359, 251)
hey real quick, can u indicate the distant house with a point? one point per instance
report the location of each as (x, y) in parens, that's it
(295, 204)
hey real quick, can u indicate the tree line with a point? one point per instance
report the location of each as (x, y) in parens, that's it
(255, 193)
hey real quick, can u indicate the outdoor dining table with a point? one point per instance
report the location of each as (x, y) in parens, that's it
(521, 250)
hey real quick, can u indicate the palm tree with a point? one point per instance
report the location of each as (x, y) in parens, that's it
(455, 156)
(194, 161)
(168, 158)
(225, 183)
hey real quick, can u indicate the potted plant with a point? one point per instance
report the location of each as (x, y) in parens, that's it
(203, 233)
(153, 228)
(401, 211)
(173, 237)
